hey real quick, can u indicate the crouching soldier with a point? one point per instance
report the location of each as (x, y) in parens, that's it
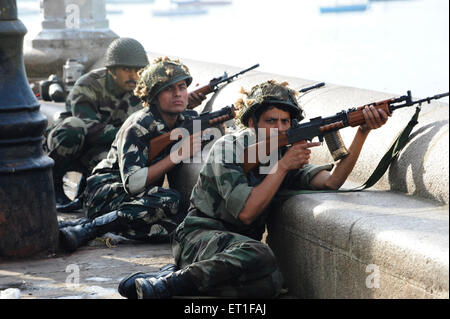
(96, 107)
(124, 194)
(217, 247)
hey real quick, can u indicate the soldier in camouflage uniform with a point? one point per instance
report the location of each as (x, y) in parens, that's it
(96, 107)
(124, 194)
(218, 246)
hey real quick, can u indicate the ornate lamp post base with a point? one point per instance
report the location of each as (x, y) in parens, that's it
(28, 223)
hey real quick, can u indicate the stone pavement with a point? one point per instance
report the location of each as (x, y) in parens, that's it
(92, 272)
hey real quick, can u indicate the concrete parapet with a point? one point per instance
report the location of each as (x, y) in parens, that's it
(374, 244)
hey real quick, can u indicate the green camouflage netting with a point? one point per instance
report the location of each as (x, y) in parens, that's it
(270, 93)
(158, 75)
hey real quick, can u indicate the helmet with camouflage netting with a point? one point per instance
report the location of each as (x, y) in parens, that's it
(126, 52)
(270, 93)
(160, 74)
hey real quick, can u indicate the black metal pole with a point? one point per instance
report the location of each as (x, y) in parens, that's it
(28, 223)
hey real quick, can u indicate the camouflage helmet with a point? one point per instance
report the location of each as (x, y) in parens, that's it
(157, 76)
(126, 52)
(270, 93)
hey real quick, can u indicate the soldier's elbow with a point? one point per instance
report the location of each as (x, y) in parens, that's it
(332, 185)
(245, 219)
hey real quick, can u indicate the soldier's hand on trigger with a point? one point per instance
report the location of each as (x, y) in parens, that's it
(195, 99)
(297, 156)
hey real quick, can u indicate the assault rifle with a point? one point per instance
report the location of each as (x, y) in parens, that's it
(213, 85)
(206, 120)
(319, 126)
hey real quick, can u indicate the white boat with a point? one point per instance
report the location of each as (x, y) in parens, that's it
(128, 1)
(201, 2)
(169, 9)
(339, 6)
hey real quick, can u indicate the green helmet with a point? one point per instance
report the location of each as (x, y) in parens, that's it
(159, 75)
(270, 93)
(126, 52)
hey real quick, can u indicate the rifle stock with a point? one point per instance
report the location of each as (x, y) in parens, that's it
(157, 145)
(206, 89)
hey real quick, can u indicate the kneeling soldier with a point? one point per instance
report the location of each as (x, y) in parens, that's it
(124, 194)
(96, 107)
(217, 247)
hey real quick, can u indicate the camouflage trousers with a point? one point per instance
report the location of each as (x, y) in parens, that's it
(65, 143)
(227, 264)
(151, 216)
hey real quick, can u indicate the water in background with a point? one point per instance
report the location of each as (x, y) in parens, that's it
(392, 46)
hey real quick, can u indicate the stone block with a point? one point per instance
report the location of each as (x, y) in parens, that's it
(76, 29)
(345, 238)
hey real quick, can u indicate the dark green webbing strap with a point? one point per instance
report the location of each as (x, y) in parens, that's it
(400, 141)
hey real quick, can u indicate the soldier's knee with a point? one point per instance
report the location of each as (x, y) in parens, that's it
(260, 256)
(75, 126)
(69, 135)
(165, 197)
(267, 256)
(74, 121)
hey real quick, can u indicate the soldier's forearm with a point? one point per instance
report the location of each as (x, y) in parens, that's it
(262, 195)
(345, 166)
(157, 170)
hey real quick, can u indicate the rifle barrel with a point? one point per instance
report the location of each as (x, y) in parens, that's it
(230, 78)
(250, 68)
(315, 86)
(428, 99)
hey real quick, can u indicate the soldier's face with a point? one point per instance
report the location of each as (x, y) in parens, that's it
(273, 118)
(125, 77)
(174, 99)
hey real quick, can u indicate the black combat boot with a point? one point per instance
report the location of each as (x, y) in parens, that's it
(60, 197)
(127, 286)
(67, 223)
(72, 237)
(178, 283)
(72, 206)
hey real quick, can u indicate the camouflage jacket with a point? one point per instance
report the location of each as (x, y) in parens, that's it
(222, 188)
(129, 151)
(101, 104)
